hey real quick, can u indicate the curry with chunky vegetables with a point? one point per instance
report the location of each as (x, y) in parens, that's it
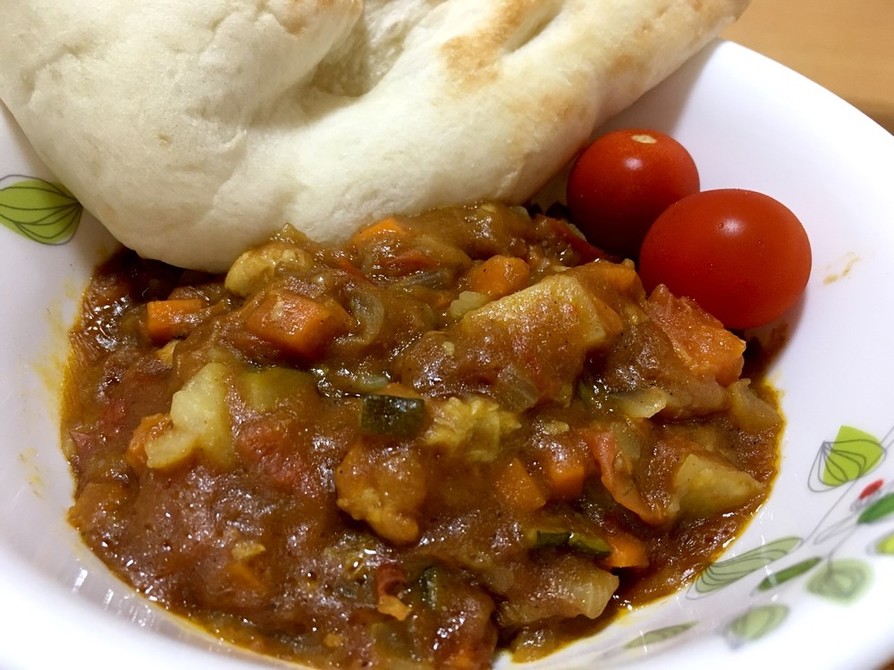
(455, 434)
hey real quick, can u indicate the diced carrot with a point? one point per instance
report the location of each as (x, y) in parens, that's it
(708, 349)
(296, 324)
(389, 226)
(518, 488)
(565, 471)
(628, 551)
(499, 276)
(168, 319)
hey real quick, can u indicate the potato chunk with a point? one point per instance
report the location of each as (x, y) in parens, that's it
(569, 587)
(522, 349)
(556, 310)
(199, 419)
(706, 485)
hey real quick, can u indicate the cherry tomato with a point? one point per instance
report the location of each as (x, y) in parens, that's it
(743, 256)
(622, 181)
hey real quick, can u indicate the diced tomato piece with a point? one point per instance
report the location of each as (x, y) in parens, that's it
(708, 349)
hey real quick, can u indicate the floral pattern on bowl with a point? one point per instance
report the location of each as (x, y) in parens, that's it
(40, 210)
(848, 468)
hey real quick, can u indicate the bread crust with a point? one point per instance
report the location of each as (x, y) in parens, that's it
(195, 130)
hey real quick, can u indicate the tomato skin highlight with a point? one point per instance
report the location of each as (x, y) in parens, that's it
(621, 182)
(742, 255)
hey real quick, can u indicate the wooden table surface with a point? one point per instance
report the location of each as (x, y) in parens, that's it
(845, 45)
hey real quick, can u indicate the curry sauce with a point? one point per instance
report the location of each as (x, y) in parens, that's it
(452, 435)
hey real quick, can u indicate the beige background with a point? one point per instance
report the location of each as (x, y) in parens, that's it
(845, 45)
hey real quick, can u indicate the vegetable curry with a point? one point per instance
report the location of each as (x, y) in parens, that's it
(454, 434)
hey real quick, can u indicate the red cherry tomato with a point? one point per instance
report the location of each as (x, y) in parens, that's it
(743, 256)
(622, 181)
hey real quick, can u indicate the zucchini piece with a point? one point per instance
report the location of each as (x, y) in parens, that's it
(391, 415)
(584, 543)
(539, 539)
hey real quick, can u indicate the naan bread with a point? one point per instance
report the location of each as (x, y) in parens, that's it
(193, 130)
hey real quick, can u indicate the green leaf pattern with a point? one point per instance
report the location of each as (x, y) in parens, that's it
(885, 546)
(755, 623)
(775, 579)
(40, 210)
(839, 464)
(879, 510)
(724, 573)
(841, 580)
(850, 456)
(658, 636)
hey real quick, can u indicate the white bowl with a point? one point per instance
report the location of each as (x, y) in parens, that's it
(811, 578)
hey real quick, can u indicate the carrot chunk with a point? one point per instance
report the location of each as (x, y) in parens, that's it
(296, 324)
(565, 473)
(389, 226)
(518, 488)
(627, 551)
(168, 319)
(499, 276)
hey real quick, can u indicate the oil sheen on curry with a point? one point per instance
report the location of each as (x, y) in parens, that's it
(454, 435)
